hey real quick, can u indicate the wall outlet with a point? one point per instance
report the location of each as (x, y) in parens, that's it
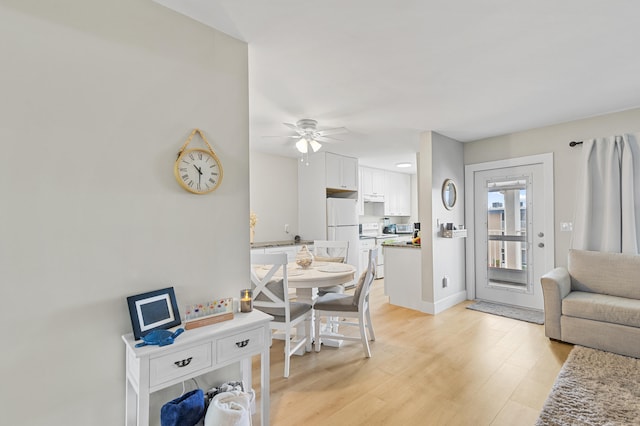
(445, 281)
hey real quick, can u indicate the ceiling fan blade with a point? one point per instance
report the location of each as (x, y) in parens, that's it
(329, 139)
(283, 137)
(334, 131)
(295, 128)
(291, 126)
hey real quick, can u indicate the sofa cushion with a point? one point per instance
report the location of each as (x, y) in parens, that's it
(606, 273)
(602, 307)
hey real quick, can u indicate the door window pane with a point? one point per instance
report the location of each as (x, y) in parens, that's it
(507, 232)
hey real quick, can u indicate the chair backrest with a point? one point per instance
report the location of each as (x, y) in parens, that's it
(361, 294)
(331, 251)
(271, 291)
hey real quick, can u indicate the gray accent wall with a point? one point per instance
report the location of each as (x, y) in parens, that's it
(440, 158)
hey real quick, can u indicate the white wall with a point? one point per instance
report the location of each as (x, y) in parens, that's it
(97, 98)
(274, 196)
(555, 139)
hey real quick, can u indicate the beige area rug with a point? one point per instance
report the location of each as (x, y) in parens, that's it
(594, 388)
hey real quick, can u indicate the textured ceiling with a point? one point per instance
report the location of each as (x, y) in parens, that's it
(388, 70)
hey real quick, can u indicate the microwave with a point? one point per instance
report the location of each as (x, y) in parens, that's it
(404, 228)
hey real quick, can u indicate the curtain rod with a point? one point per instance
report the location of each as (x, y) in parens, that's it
(574, 143)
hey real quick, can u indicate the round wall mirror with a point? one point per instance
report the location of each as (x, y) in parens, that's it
(449, 194)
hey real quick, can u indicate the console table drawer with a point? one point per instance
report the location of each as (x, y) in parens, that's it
(238, 345)
(179, 363)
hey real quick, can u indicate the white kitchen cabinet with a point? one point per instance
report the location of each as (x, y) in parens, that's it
(326, 173)
(291, 251)
(360, 193)
(403, 282)
(363, 254)
(373, 183)
(342, 172)
(397, 200)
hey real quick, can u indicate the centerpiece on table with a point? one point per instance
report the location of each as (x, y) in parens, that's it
(304, 258)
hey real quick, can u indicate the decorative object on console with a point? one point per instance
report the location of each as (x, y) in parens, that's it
(160, 337)
(304, 258)
(198, 170)
(155, 310)
(246, 300)
(208, 313)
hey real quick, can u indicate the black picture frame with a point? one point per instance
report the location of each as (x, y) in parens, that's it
(155, 310)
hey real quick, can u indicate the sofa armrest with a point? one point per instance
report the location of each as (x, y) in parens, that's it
(556, 284)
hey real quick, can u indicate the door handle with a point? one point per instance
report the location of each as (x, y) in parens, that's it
(540, 245)
(540, 234)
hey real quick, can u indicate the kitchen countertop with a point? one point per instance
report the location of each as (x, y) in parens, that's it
(266, 244)
(379, 236)
(401, 244)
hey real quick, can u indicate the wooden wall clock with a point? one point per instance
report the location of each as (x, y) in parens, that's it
(198, 170)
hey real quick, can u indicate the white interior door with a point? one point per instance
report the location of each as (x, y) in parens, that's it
(511, 234)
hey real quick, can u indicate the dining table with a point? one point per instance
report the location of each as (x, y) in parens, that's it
(307, 281)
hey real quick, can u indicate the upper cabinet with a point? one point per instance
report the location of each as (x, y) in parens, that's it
(325, 173)
(397, 194)
(341, 172)
(373, 182)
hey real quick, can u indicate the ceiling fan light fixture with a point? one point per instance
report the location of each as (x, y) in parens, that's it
(315, 145)
(301, 145)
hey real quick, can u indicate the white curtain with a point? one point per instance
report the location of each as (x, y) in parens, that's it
(607, 216)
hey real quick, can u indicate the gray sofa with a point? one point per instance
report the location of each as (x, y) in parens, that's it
(595, 302)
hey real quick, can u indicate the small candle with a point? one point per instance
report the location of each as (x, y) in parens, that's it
(246, 303)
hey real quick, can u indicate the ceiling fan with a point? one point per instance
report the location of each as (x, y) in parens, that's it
(309, 136)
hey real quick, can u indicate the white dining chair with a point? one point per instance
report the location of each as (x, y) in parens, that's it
(330, 251)
(271, 296)
(341, 308)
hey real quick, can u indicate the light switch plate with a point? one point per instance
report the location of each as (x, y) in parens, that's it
(566, 226)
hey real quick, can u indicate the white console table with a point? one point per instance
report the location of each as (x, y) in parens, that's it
(195, 352)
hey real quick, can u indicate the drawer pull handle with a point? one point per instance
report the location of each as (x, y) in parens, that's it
(242, 344)
(184, 362)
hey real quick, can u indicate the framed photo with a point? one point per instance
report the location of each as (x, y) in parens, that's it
(156, 310)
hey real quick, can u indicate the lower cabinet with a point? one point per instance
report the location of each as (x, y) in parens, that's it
(291, 250)
(365, 246)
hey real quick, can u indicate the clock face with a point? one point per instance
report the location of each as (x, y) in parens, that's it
(198, 171)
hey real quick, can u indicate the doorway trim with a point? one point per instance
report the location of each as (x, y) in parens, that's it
(469, 176)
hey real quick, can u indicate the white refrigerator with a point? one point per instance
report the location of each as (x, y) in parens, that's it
(342, 225)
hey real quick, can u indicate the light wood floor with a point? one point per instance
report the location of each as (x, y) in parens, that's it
(460, 367)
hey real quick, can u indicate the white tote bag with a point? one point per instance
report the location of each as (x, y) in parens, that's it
(230, 409)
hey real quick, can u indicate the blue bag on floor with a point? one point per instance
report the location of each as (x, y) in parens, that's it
(186, 410)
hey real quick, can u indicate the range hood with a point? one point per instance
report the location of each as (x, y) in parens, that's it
(373, 198)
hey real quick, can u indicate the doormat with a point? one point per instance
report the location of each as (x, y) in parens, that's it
(522, 314)
(594, 388)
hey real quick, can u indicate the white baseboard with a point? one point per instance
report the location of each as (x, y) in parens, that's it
(450, 301)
